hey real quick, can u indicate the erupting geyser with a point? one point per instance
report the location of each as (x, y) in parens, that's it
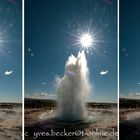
(73, 89)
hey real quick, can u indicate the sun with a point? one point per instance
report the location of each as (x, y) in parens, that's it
(86, 40)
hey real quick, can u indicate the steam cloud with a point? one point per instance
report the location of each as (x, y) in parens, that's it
(73, 89)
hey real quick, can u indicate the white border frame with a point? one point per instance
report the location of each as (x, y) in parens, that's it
(23, 69)
(118, 62)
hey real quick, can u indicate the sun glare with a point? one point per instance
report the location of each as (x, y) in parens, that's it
(86, 40)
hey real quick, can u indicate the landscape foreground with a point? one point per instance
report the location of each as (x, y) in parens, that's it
(41, 122)
(10, 121)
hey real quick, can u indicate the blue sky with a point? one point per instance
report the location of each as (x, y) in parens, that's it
(10, 51)
(49, 26)
(129, 48)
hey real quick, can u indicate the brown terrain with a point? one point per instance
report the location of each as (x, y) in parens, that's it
(129, 119)
(10, 121)
(41, 119)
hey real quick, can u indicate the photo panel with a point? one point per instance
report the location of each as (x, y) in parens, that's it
(10, 69)
(129, 70)
(71, 69)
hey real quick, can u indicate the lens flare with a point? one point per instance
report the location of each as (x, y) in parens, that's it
(86, 40)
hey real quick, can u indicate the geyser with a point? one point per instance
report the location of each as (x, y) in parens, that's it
(73, 89)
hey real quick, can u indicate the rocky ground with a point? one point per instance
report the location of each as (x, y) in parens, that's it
(10, 124)
(40, 123)
(130, 124)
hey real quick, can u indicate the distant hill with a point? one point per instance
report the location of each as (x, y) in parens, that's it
(129, 103)
(9, 105)
(38, 103)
